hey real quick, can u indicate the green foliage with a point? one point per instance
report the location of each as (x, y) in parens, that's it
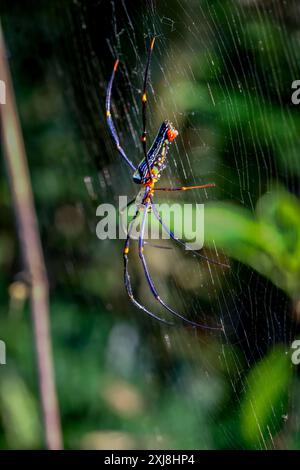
(265, 399)
(268, 241)
(19, 413)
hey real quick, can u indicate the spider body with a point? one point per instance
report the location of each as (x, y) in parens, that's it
(156, 156)
(146, 174)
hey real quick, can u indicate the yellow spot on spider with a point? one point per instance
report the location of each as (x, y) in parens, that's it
(144, 98)
(126, 250)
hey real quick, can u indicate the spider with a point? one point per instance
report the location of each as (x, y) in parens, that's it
(146, 174)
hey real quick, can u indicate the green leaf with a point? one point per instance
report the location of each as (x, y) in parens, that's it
(19, 415)
(268, 241)
(265, 399)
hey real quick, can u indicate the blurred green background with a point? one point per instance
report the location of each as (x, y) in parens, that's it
(223, 72)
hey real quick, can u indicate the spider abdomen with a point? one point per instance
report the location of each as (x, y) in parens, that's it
(157, 153)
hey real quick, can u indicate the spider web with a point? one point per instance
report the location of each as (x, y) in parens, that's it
(200, 63)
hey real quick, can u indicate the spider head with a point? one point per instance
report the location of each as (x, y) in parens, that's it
(172, 133)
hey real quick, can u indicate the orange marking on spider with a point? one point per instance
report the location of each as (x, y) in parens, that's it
(172, 134)
(186, 188)
(116, 65)
(202, 186)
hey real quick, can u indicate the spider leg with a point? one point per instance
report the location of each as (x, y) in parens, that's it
(159, 247)
(144, 106)
(121, 211)
(186, 188)
(124, 228)
(171, 234)
(151, 283)
(127, 281)
(127, 205)
(110, 122)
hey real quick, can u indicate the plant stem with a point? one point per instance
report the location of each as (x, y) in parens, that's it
(27, 227)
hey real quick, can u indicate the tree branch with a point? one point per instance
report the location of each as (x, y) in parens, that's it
(27, 227)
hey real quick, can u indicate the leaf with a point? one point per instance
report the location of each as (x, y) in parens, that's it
(19, 414)
(268, 241)
(265, 399)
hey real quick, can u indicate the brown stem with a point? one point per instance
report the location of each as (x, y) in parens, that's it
(19, 179)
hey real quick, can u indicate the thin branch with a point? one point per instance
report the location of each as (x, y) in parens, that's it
(19, 179)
